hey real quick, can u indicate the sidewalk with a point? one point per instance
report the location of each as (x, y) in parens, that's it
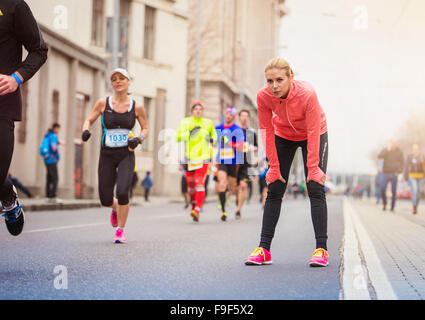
(384, 256)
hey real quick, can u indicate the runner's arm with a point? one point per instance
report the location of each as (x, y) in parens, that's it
(141, 118)
(313, 117)
(265, 116)
(98, 109)
(27, 31)
(183, 133)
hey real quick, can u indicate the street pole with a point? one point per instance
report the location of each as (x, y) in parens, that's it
(242, 89)
(116, 35)
(198, 54)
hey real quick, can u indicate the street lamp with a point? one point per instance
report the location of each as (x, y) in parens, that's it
(116, 35)
(198, 55)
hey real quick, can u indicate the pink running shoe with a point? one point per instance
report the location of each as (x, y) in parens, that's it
(120, 236)
(259, 256)
(114, 219)
(320, 258)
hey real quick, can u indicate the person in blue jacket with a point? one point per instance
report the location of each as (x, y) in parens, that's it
(49, 149)
(147, 183)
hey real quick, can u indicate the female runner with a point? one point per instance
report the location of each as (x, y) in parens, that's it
(116, 163)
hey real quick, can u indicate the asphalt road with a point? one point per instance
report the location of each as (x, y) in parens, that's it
(168, 256)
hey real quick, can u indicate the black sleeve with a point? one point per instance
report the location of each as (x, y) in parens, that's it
(27, 31)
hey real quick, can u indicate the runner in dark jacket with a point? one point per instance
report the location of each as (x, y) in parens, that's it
(17, 28)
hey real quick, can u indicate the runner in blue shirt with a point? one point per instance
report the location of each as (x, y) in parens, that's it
(230, 139)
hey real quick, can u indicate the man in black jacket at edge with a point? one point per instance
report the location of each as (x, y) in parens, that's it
(392, 166)
(18, 28)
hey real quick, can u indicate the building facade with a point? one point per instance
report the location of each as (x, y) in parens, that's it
(238, 37)
(153, 43)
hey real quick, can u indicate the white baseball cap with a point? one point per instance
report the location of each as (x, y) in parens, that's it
(120, 71)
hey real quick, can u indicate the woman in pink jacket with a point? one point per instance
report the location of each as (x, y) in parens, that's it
(290, 116)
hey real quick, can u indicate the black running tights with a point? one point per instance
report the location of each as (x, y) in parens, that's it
(286, 151)
(7, 140)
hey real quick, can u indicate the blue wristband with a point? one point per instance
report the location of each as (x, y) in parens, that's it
(141, 136)
(18, 80)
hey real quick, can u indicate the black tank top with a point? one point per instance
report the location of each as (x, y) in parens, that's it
(116, 125)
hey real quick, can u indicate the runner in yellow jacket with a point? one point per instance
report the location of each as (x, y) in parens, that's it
(198, 134)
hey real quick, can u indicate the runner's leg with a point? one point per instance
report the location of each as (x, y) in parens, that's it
(285, 151)
(7, 140)
(221, 188)
(316, 193)
(124, 182)
(200, 176)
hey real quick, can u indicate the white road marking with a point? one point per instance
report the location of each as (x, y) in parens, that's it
(354, 281)
(66, 227)
(377, 275)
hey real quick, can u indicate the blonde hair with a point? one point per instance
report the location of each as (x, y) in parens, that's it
(279, 63)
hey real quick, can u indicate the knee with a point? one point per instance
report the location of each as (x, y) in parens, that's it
(106, 197)
(315, 190)
(122, 196)
(243, 186)
(276, 190)
(106, 202)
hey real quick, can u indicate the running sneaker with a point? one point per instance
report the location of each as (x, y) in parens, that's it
(194, 215)
(120, 236)
(14, 219)
(320, 258)
(223, 216)
(238, 215)
(114, 219)
(258, 257)
(13, 214)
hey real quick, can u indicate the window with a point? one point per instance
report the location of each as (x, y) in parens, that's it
(148, 47)
(55, 106)
(97, 23)
(22, 131)
(125, 8)
(147, 104)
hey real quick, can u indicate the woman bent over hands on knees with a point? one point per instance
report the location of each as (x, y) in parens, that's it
(290, 116)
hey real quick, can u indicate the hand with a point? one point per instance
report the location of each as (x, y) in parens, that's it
(321, 181)
(280, 178)
(86, 135)
(133, 142)
(8, 84)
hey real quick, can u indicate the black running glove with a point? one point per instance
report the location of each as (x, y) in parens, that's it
(133, 142)
(86, 135)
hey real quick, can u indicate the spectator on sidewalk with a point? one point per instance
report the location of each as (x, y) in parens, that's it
(18, 184)
(378, 184)
(392, 167)
(147, 183)
(414, 171)
(49, 149)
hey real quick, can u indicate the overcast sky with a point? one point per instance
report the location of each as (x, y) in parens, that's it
(366, 60)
